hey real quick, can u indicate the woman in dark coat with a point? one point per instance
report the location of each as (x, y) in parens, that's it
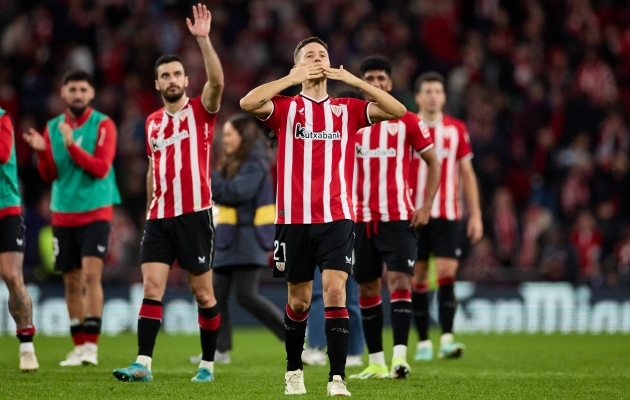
(241, 187)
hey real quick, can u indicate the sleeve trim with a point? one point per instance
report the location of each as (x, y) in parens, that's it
(367, 113)
(468, 156)
(426, 148)
(273, 108)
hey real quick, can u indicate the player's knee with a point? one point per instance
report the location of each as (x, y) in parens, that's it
(73, 286)
(12, 278)
(334, 294)
(369, 289)
(92, 279)
(399, 281)
(204, 299)
(299, 305)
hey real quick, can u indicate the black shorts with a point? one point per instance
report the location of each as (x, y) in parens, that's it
(378, 242)
(187, 238)
(70, 244)
(440, 237)
(298, 248)
(12, 234)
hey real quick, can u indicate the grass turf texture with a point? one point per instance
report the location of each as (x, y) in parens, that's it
(494, 367)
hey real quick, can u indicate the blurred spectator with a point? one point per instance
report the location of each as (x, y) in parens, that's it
(558, 259)
(587, 240)
(504, 225)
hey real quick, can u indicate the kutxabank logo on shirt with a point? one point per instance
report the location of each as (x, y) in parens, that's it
(162, 143)
(374, 153)
(303, 133)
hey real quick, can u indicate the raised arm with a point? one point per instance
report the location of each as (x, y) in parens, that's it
(386, 107)
(213, 89)
(471, 193)
(257, 102)
(421, 215)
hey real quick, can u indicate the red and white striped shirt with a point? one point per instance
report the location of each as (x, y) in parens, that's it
(384, 153)
(452, 145)
(179, 146)
(315, 157)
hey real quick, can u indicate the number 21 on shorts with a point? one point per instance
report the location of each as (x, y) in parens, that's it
(279, 255)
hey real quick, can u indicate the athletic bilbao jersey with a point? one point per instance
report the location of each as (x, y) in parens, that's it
(452, 145)
(315, 157)
(179, 146)
(384, 153)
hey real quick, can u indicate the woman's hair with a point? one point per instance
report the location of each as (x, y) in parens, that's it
(249, 131)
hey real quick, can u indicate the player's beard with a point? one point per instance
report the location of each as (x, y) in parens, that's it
(77, 111)
(172, 97)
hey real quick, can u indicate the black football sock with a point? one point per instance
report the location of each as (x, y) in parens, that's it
(295, 332)
(209, 321)
(400, 309)
(149, 321)
(372, 318)
(337, 328)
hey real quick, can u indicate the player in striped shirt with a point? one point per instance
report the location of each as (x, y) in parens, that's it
(179, 210)
(441, 236)
(316, 144)
(385, 219)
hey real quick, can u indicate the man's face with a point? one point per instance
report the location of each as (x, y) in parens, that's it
(379, 79)
(171, 81)
(313, 53)
(431, 97)
(77, 95)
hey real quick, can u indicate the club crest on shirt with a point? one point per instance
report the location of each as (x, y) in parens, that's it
(336, 110)
(280, 266)
(392, 129)
(183, 114)
(424, 130)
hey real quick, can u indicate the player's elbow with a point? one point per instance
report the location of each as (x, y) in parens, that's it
(399, 111)
(101, 173)
(247, 104)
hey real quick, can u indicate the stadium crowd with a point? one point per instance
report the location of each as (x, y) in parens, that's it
(543, 86)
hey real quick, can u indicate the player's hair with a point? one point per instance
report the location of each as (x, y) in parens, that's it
(375, 63)
(75, 75)
(250, 132)
(350, 94)
(165, 59)
(312, 39)
(430, 76)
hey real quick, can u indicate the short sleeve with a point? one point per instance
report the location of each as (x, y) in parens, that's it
(464, 150)
(358, 110)
(417, 135)
(279, 112)
(201, 112)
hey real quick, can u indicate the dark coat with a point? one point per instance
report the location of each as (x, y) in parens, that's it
(245, 230)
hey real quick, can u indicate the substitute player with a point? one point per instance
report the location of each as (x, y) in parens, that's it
(75, 155)
(179, 218)
(316, 137)
(441, 236)
(12, 246)
(385, 223)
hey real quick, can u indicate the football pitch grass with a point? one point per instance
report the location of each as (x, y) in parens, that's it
(494, 367)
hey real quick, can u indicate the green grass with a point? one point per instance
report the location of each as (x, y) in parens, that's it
(495, 366)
